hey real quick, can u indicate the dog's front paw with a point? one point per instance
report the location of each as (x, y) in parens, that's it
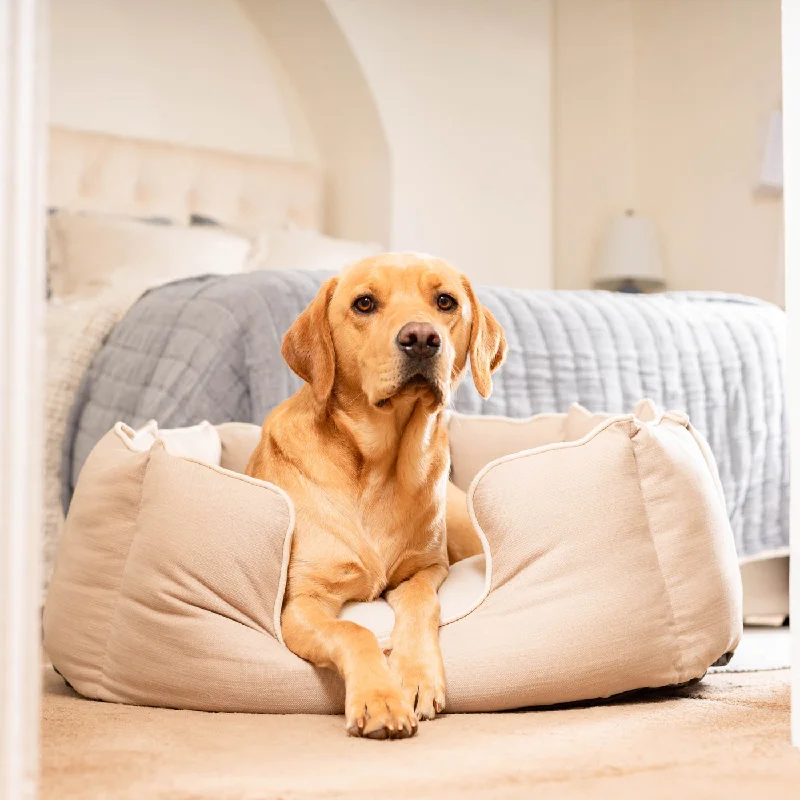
(422, 680)
(379, 712)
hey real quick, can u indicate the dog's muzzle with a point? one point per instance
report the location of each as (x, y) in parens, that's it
(420, 343)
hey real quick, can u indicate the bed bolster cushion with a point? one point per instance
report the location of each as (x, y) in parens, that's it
(609, 566)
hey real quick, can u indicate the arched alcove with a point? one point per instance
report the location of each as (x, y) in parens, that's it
(432, 121)
(340, 110)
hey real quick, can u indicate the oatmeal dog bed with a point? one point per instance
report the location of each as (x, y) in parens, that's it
(609, 566)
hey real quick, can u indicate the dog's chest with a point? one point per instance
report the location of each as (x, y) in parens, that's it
(395, 527)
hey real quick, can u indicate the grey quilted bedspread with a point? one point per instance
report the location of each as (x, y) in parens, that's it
(209, 348)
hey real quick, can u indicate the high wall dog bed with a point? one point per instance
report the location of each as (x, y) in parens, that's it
(609, 566)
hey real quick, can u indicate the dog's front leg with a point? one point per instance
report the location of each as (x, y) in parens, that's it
(462, 540)
(416, 658)
(375, 705)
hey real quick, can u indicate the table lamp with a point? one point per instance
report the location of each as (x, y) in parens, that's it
(630, 260)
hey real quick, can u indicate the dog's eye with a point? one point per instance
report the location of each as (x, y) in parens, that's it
(446, 302)
(364, 304)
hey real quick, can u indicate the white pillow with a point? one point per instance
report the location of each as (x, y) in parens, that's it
(304, 249)
(200, 442)
(458, 595)
(92, 252)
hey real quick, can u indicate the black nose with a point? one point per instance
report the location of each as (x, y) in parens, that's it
(419, 340)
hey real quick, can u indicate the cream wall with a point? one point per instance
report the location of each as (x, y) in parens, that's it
(663, 105)
(436, 122)
(193, 72)
(593, 129)
(463, 89)
(708, 76)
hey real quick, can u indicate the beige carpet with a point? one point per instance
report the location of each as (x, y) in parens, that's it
(726, 738)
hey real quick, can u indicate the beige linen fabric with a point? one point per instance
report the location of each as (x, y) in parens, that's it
(238, 439)
(613, 568)
(91, 560)
(610, 568)
(475, 441)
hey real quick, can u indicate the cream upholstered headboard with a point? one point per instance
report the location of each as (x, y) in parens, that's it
(100, 173)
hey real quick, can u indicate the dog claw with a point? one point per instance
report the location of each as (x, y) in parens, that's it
(383, 716)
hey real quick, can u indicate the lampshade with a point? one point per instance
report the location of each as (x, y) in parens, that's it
(772, 164)
(630, 252)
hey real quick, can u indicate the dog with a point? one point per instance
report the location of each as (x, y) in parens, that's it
(362, 451)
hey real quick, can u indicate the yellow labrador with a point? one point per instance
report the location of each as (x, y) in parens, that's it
(362, 451)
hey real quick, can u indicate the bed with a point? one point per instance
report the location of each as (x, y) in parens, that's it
(127, 215)
(207, 346)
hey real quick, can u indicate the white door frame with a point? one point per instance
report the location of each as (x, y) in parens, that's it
(790, 26)
(23, 72)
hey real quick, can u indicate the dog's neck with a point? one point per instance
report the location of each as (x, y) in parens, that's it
(397, 436)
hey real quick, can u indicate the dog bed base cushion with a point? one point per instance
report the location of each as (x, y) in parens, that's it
(610, 567)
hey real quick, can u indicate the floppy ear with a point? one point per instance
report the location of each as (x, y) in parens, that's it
(308, 346)
(487, 344)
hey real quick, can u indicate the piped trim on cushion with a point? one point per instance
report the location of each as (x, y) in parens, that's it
(571, 606)
(129, 437)
(646, 412)
(513, 457)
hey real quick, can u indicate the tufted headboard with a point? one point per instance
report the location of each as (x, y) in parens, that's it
(101, 173)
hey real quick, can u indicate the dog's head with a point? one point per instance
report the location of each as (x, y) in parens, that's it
(395, 326)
